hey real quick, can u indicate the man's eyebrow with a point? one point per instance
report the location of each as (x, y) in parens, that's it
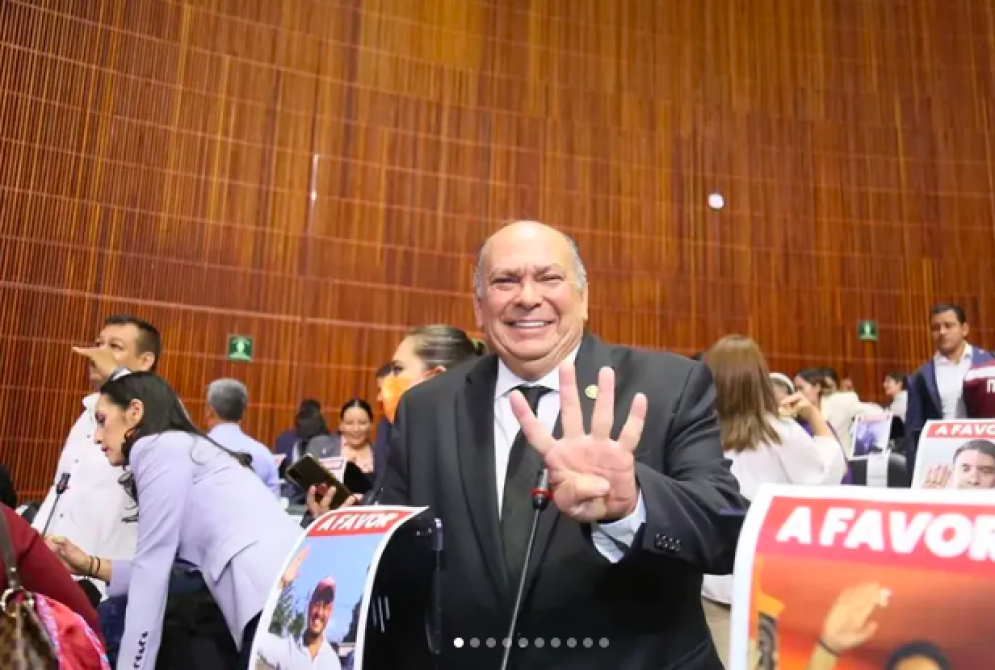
(537, 269)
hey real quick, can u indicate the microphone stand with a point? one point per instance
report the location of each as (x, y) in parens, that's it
(60, 488)
(540, 499)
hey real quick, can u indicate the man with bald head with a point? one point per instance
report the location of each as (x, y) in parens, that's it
(643, 500)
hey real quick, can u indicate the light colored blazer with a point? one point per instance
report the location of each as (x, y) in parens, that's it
(92, 511)
(196, 502)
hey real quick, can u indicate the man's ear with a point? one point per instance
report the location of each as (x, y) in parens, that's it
(146, 361)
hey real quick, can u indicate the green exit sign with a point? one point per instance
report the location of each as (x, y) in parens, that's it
(867, 331)
(240, 348)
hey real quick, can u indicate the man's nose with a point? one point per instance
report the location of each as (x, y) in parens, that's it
(529, 295)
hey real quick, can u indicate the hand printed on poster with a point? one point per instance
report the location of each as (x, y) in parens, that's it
(294, 567)
(937, 477)
(848, 623)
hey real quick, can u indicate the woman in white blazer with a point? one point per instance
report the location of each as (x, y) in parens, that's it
(196, 502)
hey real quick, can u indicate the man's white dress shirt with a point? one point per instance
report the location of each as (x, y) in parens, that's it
(608, 537)
(92, 511)
(950, 382)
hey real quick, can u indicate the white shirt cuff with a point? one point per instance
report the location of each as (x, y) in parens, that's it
(613, 539)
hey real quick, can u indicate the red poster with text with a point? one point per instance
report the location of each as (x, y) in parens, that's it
(853, 578)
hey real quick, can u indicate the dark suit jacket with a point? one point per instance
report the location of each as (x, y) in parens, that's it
(646, 607)
(382, 446)
(285, 443)
(924, 402)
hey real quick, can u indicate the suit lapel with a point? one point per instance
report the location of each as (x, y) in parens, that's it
(475, 449)
(932, 388)
(591, 357)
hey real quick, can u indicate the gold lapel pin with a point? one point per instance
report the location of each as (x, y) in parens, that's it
(591, 392)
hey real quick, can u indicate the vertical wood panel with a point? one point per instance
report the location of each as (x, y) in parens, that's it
(156, 158)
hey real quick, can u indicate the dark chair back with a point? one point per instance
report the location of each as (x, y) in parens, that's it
(195, 635)
(895, 471)
(897, 429)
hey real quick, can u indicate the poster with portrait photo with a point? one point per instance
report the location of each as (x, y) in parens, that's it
(956, 454)
(856, 578)
(871, 434)
(314, 618)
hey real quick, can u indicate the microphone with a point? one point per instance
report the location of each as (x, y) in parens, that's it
(60, 488)
(540, 500)
(372, 497)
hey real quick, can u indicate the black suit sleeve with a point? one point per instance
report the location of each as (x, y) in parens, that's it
(381, 446)
(395, 479)
(915, 418)
(685, 502)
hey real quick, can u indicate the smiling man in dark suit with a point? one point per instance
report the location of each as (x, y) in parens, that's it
(640, 486)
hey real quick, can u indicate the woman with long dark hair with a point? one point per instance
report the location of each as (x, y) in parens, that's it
(196, 502)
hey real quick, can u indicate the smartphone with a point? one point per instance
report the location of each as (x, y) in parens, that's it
(357, 480)
(308, 472)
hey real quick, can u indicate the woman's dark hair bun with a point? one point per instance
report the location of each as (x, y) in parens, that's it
(444, 346)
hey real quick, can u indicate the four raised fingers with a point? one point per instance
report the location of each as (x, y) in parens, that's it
(572, 417)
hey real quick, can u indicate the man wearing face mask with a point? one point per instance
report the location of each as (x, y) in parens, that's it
(94, 510)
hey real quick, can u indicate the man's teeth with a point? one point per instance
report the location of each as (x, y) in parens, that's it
(529, 324)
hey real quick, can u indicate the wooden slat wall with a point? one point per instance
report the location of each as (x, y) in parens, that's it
(156, 158)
